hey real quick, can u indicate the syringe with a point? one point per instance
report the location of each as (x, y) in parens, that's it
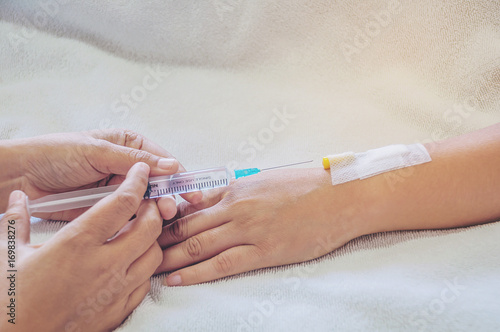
(176, 184)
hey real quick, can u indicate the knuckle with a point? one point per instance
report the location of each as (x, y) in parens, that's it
(245, 209)
(193, 247)
(128, 133)
(223, 264)
(124, 134)
(177, 230)
(132, 139)
(185, 209)
(139, 155)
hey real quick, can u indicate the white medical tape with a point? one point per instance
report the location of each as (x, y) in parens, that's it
(351, 166)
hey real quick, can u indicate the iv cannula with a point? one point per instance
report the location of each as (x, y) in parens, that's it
(180, 183)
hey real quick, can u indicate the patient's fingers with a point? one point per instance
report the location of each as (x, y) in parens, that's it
(167, 207)
(193, 197)
(199, 247)
(232, 261)
(210, 198)
(182, 210)
(191, 225)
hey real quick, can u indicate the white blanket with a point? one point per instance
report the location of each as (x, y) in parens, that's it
(259, 83)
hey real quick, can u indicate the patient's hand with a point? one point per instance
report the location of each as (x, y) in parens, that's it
(272, 218)
(79, 280)
(68, 161)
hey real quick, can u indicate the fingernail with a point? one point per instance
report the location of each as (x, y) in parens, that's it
(173, 280)
(166, 163)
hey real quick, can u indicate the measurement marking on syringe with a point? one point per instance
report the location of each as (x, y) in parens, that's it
(184, 188)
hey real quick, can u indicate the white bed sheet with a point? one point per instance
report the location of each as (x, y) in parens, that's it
(203, 79)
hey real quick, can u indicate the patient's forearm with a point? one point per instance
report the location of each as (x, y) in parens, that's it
(461, 186)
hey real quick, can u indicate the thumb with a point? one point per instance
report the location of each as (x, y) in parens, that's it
(113, 212)
(15, 224)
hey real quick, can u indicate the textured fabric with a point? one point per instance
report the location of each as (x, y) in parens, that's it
(261, 83)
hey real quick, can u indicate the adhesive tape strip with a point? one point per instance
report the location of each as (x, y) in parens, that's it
(351, 166)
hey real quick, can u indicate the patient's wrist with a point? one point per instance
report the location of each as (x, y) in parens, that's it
(371, 213)
(349, 204)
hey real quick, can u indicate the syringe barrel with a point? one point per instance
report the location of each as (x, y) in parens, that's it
(70, 200)
(180, 183)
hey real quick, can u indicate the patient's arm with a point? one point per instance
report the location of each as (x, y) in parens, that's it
(460, 187)
(288, 216)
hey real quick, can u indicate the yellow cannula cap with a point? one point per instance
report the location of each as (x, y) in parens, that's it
(326, 163)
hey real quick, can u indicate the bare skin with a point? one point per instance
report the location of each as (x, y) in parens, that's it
(78, 280)
(68, 161)
(289, 216)
(92, 273)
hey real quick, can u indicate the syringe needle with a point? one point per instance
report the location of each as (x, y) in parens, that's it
(302, 162)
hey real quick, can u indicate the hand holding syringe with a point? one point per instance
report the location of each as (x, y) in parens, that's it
(159, 186)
